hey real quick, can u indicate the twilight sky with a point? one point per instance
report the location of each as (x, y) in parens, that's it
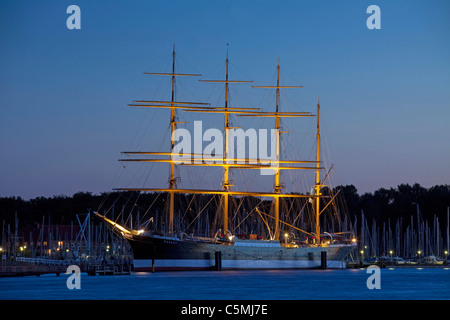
(64, 119)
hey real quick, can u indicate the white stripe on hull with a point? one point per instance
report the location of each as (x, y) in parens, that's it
(141, 264)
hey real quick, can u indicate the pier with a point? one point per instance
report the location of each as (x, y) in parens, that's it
(36, 267)
(109, 270)
(30, 270)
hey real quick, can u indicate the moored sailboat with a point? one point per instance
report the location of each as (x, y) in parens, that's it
(172, 249)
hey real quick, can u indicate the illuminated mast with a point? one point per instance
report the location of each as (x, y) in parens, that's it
(277, 187)
(173, 105)
(226, 180)
(318, 184)
(226, 168)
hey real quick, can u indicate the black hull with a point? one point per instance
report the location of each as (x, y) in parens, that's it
(154, 253)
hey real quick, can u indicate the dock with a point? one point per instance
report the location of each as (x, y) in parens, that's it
(30, 270)
(359, 265)
(36, 267)
(108, 270)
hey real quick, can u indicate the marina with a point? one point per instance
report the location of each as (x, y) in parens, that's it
(102, 252)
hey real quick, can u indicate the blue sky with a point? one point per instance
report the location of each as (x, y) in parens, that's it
(64, 93)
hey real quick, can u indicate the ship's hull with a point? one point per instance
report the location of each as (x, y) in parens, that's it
(154, 253)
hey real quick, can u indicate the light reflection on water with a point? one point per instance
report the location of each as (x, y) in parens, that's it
(346, 284)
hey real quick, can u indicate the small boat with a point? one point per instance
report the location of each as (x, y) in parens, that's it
(411, 261)
(387, 260)
(431, 260)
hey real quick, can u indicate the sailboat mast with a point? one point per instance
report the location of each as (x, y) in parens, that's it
(172, 180)
(317, 185)
(226, 182)
(277, 187)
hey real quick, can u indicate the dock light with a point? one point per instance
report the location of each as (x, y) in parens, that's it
(354, 240)
(286, 238)
(21, 248)
(390, 252)
(362, 251)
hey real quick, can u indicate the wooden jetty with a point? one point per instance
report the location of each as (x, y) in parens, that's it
(112, 270)
(30, 270)
(36, 267)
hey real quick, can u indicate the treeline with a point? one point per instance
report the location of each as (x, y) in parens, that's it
(403, 201)
(382, 205)
(62, 209)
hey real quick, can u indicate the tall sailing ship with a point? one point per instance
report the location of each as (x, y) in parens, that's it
(281, 245)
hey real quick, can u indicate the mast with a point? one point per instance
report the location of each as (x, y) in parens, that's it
(173, 105)
(226, 181)
(277, 187)
(317, 182)
(172, 180)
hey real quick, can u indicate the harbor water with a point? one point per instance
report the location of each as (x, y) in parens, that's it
(343, 284)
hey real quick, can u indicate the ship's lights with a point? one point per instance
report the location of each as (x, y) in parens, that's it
(140, 231)
(354, 240)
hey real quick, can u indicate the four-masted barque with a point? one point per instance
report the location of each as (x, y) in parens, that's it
(175, 250)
